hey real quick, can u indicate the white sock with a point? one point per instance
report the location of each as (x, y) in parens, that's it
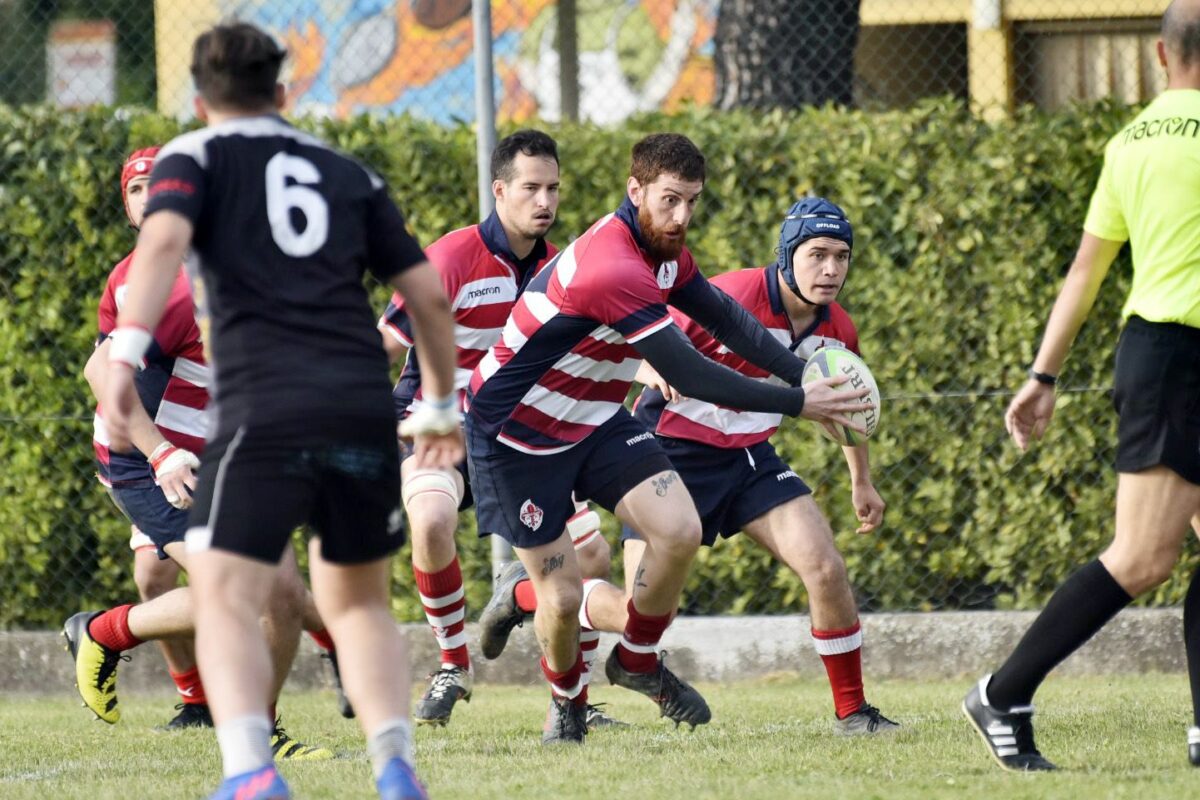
(392, 739)
(245, 744)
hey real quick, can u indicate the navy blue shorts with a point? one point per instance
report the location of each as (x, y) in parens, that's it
(145, 505)
(526, 499)
(730, 487)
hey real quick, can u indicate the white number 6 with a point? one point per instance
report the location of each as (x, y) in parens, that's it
(282, 198)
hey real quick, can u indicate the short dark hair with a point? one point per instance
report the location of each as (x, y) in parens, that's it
(236, 66)
(1181, 33)
(666, 153)
(529, 142)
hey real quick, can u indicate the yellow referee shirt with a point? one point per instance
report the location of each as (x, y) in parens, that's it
(1149, 193)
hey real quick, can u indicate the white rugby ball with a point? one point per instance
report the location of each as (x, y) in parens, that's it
(830, 361)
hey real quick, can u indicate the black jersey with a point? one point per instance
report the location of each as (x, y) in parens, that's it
(284, 228)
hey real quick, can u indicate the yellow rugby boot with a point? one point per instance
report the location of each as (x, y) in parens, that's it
(95, 667)
(285, 747)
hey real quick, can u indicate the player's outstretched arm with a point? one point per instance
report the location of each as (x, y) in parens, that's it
(162, 243)
(1031, 410)
(435, 428)
(736, 328)
(693, 375)
(868, 505)
(174, 467)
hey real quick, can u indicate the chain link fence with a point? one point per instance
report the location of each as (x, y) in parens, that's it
(607, 62)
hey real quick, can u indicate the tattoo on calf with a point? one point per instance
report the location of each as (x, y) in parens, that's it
(552, 563)
(661, 485)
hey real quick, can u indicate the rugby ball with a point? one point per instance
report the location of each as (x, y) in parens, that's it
(830, 361)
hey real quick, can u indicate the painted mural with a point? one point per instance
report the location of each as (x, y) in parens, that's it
(349, 56)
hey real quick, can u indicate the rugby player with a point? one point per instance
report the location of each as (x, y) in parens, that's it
(281, 229)
(733, 473)
(154, 494)
(546, 419)
(483, 268)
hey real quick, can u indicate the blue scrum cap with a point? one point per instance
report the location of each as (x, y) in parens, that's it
(808, 219)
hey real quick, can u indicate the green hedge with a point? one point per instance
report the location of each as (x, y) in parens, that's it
(963, 229)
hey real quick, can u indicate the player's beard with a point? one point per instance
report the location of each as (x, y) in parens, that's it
(660, 247)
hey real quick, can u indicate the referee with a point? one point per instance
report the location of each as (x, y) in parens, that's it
(1148, 193)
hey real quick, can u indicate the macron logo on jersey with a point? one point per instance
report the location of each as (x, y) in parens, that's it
(485, 291)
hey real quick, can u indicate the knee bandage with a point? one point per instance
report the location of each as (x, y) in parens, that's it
(432, 481)
(584, 525)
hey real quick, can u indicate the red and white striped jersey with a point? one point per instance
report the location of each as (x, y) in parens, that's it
(565, 360)
(757, 290)
(173, 381)
(482, 277)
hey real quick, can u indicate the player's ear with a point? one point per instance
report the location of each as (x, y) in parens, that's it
(634, 189)
(497, 189)
(200, 109)
(1161, 48)
(280, 96)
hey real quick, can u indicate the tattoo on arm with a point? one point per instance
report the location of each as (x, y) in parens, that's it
(552, 563)
(662, 484)
(637, 579)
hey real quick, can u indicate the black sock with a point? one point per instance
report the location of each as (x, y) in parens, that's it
(1191, 641)
(1081, 606)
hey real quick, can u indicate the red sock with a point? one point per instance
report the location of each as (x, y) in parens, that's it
(323, 640)
(841, 650)
(525, 596)
(569, 684)
(446, 608)
(189, 686)
(638, 648)
(111, 629)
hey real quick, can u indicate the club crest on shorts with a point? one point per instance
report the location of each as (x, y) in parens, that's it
(531, 515)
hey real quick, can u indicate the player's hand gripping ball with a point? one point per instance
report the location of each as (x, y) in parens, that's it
(830, 361)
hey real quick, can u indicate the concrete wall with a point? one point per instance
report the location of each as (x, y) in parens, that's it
(935, 645)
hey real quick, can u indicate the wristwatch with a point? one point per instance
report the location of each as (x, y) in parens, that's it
(1042, 377)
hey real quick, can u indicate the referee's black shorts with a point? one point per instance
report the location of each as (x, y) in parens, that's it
(339, 477)
(1157, 397)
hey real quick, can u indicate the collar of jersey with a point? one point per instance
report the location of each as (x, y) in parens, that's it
(773, 290)
(628, 213)
(496, 241)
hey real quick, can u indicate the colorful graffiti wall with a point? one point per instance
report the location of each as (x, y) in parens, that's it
(393, 56)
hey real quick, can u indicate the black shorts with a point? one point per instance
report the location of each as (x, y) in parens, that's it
(730, 486)
(526, 499)
(341, 477)
(1157, 397)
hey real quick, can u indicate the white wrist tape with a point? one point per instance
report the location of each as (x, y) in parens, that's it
(433, 417)
(168, 458)
(129, 345)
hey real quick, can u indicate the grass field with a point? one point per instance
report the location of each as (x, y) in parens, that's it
(1121, 737)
